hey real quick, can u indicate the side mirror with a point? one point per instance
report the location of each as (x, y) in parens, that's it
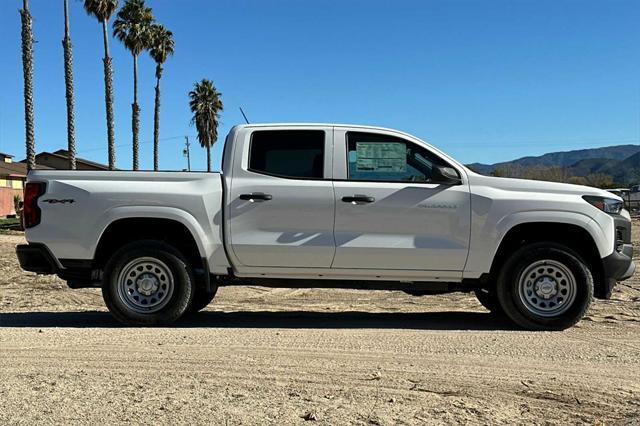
(445, 175)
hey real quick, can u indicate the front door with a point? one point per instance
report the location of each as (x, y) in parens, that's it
(390, 214)
(281, 203)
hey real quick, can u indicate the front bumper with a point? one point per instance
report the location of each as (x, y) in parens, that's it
(36, 258)
(618, 266)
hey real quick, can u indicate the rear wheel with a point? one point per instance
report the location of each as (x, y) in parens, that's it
(147, 283)
(545, 286)
(201, 300)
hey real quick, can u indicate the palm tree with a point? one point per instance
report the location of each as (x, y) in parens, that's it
(102, 11)
(68, 82)
(131, 27)
(161, 47)
(206, 105)
(27, 70)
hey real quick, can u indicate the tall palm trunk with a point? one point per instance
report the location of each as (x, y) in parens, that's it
(68, 81)
(108, 97)
(27, 70)
(208, 158)
(156, 118)
(135, 113)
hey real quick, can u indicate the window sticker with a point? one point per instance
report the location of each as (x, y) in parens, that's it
(381, 157)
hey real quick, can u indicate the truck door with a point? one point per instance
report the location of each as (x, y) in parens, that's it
(281, 205)
(390, 213)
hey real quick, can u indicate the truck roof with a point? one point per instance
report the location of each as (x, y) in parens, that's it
(360, 126)
(357, 126)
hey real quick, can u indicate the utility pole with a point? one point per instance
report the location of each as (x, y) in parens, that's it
(185, 152)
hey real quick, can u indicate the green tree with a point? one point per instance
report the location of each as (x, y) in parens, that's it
(161, 46)
(27, 71)
(550, 174)
(578, 180)
(132, 27)
(206, 105)
(508, 170)
(68, 83)
(102, 10)
(599, 180)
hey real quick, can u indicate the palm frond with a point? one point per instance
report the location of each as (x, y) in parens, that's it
(206, 104)
(101, 9)
(161, 43)
(132, 26)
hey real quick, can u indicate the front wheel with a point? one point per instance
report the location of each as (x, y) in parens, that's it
(147, 283)
(489, 300)
(545, 286)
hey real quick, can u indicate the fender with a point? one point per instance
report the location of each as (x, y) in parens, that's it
(484, 245)
(209, 243)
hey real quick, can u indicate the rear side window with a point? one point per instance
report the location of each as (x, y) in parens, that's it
(288, 153)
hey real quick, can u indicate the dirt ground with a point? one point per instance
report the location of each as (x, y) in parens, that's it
(281, 356)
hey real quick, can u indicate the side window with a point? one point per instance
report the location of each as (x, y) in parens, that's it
(377, 157)
(288, 153)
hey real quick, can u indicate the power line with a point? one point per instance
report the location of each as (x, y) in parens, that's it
(125, 145)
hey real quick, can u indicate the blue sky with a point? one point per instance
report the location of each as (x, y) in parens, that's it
(484, 80)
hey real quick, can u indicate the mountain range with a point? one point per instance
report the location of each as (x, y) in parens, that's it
(621, 162)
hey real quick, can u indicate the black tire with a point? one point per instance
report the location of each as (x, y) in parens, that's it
(118, 296)
(519, 296)
(489, 300)
(201, 300)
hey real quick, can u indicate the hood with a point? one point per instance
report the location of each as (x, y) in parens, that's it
(526, 185)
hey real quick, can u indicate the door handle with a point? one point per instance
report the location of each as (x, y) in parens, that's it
(256, 196)
(357, 199)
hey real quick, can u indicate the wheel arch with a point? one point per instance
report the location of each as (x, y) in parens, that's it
(169, 230)
(126, 230)
(151, 213)
(575, 237)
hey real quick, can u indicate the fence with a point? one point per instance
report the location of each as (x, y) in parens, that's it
(7, 207)
(633, 206)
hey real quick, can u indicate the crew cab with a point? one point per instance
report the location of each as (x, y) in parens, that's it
(323, 205)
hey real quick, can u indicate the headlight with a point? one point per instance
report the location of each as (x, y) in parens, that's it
(607, 205)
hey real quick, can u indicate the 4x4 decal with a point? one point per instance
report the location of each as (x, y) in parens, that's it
(54, 201)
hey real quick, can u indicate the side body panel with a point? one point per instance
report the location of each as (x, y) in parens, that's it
(293, 229)
(500, 204)
(408, 226)
(73, 230)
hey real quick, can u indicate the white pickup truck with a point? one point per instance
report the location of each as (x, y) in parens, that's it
(341, 206)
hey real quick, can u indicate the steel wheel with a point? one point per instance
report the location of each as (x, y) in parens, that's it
(547, 288)
(145, 285)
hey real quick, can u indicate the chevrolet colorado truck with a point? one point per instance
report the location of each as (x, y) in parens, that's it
(340, 206)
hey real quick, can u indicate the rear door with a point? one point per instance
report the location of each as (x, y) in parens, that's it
(389, 213)
(281, 203)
